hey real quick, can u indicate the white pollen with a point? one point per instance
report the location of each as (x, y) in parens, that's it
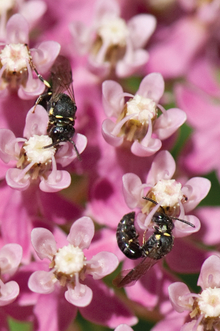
(142, 108)
(69, 260)
(114, 32)
(209, 302)
(15, 56)
(35, 151)
(168, 191)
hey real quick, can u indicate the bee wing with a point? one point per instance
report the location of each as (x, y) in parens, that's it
(129, 277)
(61, 77)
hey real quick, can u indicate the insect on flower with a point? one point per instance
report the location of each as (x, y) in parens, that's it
(158, 245)
(60, 106)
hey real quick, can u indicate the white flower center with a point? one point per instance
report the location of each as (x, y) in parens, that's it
(35, 151)
(15, 56)
(114, 31)
(69, 260)
(168, 191)
(209, 302)
(5, 5)
(142, 108)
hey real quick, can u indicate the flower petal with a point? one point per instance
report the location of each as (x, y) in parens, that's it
(80, 297)
(209, 274)
(179, 297)
(17, 30)
(195, 190)
(81, 232)
(152, 86)
(14, 180)
(8, 292)
(36, 122)
(56, 181)
(44, 243)
(102, 264)
(10, 258)
(113, 98)
(163, 167)
(41, 282)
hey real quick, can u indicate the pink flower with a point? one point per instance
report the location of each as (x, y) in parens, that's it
(16, 60)
(10, 258)
(68, 264)
(204, 308)
(34, 162)
(113, 44)
(31, 10)
(137, 119)
(175, 198)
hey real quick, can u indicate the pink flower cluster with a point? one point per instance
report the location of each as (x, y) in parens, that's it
(118, 196)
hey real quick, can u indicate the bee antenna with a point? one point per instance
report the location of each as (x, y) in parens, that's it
(183, 221)
(153, 201)
(76, 150)
(174, 218)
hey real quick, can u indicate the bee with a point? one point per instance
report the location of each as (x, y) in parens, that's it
(159, 244)
(61, 107)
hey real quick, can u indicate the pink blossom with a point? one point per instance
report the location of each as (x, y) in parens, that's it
(175, 198)
(10, 258)
(112, 43)
(16, 59)
(200, 153)
(35, 163)
(137, 119)
(204, 308)
(30, 10)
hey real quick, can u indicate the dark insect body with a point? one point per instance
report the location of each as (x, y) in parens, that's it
(159, 244)
(61, 107)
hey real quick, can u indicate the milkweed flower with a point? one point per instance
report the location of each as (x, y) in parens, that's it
(69, 266)
(36, 164)
(10, 258)
(204, 307)
(113, 44)
(16, 60)
(137, 122)
(175, 199)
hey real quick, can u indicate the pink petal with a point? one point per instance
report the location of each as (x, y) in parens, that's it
(123, 327)
(80, 297)
(141, 28)
(81, 37)
(33, 88)
(66, 153)
(152, 87)
(36, 122)
(13, 179)
(195, 190)
(17, 30)
(8, 292)
(132, 189)
(113, 98)
(179, 297)
(143, 150)
(32, 11)
(56, 181)
(107, 128)
(163, 167)
(10, 258)
(209, 275)
(106, 8)
(133, 62)
(102, 264)
(8, 146)
(41, 282)
(45, 55)
(182, 230)
(44, 243)
(81, 232)
(169, 122)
